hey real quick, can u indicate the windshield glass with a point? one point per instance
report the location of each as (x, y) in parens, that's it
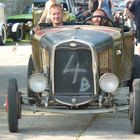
(27, 10)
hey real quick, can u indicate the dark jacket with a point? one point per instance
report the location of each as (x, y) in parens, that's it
(135, 10)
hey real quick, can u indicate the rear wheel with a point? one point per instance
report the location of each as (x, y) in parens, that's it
(18, 35)
(136, 106)
(14, 106)
(3, 36)
(30, 71)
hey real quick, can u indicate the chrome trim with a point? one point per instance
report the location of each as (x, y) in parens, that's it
(94, 67)
(74, 105)
(45, 60)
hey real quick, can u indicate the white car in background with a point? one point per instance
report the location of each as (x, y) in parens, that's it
(2, 24)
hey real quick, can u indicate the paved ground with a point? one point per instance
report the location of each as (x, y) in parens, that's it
(13, 61)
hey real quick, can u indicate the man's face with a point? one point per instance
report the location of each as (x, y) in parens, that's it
(56, 15)
(98, 20)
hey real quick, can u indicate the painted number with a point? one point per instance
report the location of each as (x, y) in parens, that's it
(84, 81)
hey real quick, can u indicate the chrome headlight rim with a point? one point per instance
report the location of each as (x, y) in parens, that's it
(109, 82)
(37, 82)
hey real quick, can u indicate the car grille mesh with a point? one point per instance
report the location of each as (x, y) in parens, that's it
(73, 72)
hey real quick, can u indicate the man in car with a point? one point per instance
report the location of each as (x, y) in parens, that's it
(46, 14)
(56, 16)
(100, 18)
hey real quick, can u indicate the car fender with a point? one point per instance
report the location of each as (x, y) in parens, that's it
(15, 26)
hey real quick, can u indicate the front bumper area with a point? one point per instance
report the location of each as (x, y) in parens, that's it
(77, 111)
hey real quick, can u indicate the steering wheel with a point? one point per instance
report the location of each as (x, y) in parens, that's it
(108, 20)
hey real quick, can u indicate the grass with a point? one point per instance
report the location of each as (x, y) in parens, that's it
(9, 41)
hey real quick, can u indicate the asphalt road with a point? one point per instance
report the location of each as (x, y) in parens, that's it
(47, 126)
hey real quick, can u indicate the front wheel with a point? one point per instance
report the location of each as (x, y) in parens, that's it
(14, 106)
(136, 107)
(18, 35)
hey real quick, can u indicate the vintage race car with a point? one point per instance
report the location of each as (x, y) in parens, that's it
(80, 69)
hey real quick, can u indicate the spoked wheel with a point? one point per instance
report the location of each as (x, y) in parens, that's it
(30, 70)
(14, 105)
(136, 107)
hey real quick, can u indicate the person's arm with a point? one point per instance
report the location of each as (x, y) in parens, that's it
(43, 17)
(100, 4)
(131, 15)
(111, 4)
(131, 10)
(126, 9)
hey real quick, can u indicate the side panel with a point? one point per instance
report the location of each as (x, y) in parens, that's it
(37, 55)
(122, 56)
(119, 59)
(104, 58)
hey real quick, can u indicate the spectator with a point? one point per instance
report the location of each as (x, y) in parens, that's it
(128, 15)
(64, 6)
(106, 5)
(135, 13)
(92, 5)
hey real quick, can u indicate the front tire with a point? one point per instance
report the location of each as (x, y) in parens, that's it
(136, 107)
(14, 106)
(18, 35)
(135, 71)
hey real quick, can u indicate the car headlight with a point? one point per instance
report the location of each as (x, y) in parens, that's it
(109, 82)
(37, 82)
(29, 23)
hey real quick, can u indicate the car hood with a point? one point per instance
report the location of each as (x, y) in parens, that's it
(21, 16)
(97, 36)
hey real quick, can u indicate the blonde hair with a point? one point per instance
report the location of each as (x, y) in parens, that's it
(56, 5)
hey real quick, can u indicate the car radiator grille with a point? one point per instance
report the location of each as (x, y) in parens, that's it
(73, 74)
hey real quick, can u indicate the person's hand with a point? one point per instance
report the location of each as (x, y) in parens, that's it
(37, 28)
(85, 13)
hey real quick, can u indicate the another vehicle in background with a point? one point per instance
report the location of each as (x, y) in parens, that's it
(19, 25)
(2, 24)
